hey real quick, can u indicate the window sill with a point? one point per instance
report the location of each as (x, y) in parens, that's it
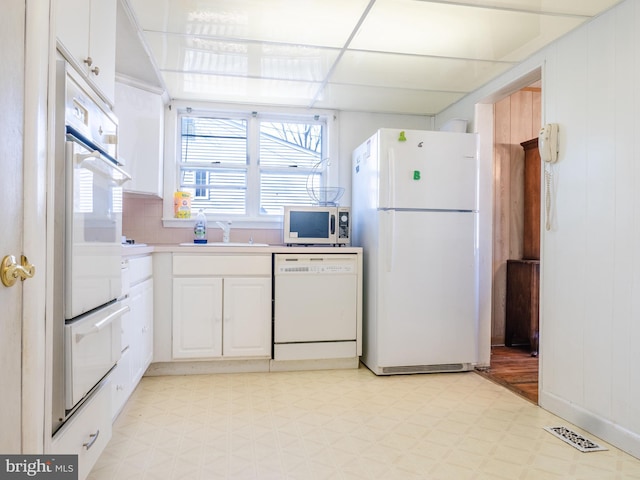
(252, 224)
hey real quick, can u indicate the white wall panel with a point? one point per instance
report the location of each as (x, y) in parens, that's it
(564, 312)
(600, 173)
(624, 247)
(628, 400)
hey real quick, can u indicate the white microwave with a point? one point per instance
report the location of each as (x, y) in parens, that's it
(317, 225)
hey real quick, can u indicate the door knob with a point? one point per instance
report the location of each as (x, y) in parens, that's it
(10, 270)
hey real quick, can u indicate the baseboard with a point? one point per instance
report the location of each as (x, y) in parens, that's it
(247, 366)
(207, 367)
(603, 428)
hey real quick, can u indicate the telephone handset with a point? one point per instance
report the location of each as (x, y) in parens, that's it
(548, 143)
(548, 147)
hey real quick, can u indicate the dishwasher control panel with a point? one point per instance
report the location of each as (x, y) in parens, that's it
(315, 264)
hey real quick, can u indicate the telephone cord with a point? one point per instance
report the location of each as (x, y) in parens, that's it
(548, 183)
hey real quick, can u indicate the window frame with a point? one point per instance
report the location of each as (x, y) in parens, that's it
(252, 219)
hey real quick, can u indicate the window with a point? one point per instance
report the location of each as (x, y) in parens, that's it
(250, 165)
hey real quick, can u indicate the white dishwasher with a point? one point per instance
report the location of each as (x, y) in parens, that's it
(315, 306)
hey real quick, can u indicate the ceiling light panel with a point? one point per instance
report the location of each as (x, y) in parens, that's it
(311, 22)
(568, 7)
(452, 30)
(253, 59)
(415, 72)
(385, 100)
(218, 88)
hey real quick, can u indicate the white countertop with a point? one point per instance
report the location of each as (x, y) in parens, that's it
(144, 249)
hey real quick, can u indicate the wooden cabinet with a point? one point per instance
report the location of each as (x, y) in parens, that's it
(531, 220)
(221, 306)
(141, 125)
(523, 275)
(522, 303)
(86, 32)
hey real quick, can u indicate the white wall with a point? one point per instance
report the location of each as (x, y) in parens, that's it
(590, 260)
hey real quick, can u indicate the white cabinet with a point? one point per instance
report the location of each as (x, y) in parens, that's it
(137, 331)
(221, 306)
(86, 31)
(247, 318)
(141, 304)
(197, 317)
(141, 134)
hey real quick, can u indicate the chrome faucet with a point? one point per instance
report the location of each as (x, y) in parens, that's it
(226, 230)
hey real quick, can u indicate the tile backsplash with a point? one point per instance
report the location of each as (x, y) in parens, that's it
(142, 222)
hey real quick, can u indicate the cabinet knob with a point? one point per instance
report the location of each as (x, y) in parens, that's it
(88, 61)
(95, 71)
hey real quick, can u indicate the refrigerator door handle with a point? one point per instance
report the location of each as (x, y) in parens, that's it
(391, 179)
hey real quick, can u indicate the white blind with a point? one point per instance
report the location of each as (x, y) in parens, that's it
(216, 164)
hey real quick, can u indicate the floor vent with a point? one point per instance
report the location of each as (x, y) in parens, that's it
(443, 368)
(575, 439)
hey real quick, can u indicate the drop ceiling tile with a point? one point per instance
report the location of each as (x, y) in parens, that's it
(223, 57)
(425, 28)
(408, 56)
(570, 7)
(312, 22)
(384, 100)
(415, 72)
(217, 88)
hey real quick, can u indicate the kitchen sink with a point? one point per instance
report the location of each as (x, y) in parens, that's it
(225, 244)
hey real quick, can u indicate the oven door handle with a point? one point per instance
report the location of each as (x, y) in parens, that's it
(106, 321)
(80, 158)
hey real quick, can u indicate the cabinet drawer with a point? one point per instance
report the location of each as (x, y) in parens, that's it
(140, 268)
(87, 432)
(222, 265)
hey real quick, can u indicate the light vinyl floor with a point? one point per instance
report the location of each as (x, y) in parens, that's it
(343, 424)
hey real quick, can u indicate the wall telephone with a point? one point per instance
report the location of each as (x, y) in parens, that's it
(548, 147)
(548, 143)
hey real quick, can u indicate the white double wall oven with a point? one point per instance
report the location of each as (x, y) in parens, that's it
(87, 239)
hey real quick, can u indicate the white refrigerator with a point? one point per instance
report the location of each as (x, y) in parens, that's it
(414, 212)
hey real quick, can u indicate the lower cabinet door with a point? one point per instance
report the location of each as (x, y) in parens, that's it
(197, 317)
(247, 317)
(147, 324)
(121, 384)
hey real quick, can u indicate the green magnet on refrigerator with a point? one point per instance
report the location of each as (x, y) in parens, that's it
(401, 137)
(416, 174)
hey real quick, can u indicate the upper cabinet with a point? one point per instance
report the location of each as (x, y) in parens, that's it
(140, 141)
(86, 32)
